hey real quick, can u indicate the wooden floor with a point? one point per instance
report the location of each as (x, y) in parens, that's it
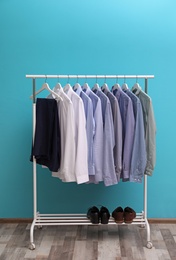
(103, 242)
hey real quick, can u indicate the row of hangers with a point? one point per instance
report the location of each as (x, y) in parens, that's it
(96, 86)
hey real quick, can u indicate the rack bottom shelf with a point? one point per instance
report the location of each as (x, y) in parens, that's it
(77, 219)
(81, 219)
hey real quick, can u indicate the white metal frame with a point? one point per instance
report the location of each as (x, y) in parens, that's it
(80, 219)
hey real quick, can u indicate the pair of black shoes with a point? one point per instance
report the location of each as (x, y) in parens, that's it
(95, 215)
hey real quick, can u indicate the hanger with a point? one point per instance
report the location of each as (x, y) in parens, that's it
(125, 86)
(86, 85)
(116, 85)
(96, 86)
(105, 86)
(136, 86)
(45, 86)
(77, 85)
(58, 86)
(67, 87)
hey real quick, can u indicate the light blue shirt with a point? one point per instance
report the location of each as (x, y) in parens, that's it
(97, 137)
(90, 125)
(109, 174)
(128, 126)
(138, 160)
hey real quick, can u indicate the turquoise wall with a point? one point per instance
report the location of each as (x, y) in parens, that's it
(84, 37)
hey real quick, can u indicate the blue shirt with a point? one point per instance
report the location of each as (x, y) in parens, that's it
(128, 126)
(90, 125)
(117, 122)
(97, 137)
(109, 174)
(138, 160)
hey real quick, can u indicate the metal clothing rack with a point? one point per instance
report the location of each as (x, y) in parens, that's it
(80, 219)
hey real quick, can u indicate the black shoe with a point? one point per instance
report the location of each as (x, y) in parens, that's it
(93, 214)
(104, 215)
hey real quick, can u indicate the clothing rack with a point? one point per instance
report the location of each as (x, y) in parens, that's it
(80, 219)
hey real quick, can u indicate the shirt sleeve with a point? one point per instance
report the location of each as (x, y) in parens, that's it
(150, 140)
(98, 143)
(128, 141)
(118, 139)
(90, 125)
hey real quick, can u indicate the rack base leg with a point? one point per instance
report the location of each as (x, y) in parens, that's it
(149, 243)
(32, 245)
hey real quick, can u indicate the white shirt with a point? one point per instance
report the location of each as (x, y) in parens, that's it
(66, 171)
(81, 164)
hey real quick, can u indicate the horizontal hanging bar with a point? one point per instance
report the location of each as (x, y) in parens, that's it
(92, 76)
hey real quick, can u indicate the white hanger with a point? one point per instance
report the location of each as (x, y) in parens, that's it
(45, 86)
(136, 86)
(85, 86)
(105, 87)
(96, 87)
(124, 86)
(67, 87)
(76, 86)
(116, 86)
(57, 87)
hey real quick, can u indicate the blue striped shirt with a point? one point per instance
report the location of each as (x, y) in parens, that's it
(109, 174)
(138, 160)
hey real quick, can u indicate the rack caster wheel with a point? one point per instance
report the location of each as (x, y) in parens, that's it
(149, 245)
(32, 246)
(39, 227)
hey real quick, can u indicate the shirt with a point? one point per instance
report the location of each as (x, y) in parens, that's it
(81, 165)
(149, 127)
(90, 125)
(66, 171)
(138, 160)
(117, 121)
(128, 125)
(109, 175)
(97, 136)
